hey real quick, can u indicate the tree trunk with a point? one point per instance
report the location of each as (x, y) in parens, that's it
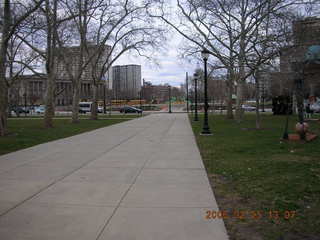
(239, 110)
(49, 102)
(3, 106)
(3, 60)
(75, 102)
(229, 95)
(229, 100)
(258, 119)
(94, 106)
(3, 94)
(242, 72)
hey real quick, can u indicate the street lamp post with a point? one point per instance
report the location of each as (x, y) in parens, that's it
(187, 91)
(25, 104)
(263, 95)
(169, 99)
(205, 129)
(195, 77)
(104, 98)
(285, 133)
(140, 100)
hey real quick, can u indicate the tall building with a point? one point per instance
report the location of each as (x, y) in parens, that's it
(31, 88)
(126, 81)
(94, 68)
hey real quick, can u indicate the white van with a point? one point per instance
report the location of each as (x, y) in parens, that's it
(85, 107)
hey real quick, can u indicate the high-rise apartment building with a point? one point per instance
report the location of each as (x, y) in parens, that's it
(126, 81)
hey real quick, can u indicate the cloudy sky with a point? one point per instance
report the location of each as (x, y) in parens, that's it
(172, 69)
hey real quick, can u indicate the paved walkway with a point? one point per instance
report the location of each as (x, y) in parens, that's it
(139, 180)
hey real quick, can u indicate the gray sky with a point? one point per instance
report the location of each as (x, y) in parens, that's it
(172, 70)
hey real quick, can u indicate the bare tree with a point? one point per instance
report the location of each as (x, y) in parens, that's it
(125, 26)
(10, 25)
(226, 29)
(19, 59)
(44, 32)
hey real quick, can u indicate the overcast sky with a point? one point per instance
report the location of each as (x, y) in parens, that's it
(172, 70)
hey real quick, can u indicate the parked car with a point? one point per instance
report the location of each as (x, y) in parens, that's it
(315, 107)
(248, 108)
(40, 110)
(20, 110)
(129, 109)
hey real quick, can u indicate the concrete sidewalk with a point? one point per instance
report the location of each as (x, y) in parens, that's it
(138, 180)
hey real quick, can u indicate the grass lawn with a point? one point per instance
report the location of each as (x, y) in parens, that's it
(29, 132)
(252, 171)
(81, 116)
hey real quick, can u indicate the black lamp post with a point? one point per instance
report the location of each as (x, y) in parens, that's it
(104, 98)
(141, 100)
(205, 130)
(285, 135)
(25, 104)
(169, 87)
(195, 77)
(187, 91)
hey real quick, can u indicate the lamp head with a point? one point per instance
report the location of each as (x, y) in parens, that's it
(205, 54)
(195, 75)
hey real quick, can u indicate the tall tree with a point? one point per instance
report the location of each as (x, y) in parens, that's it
(10, 24)
(226, 29)
(124, 26)
(104, 31)
(50, 11)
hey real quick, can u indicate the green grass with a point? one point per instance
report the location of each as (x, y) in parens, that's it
(81, 116)
(25, 133)
(253, 170)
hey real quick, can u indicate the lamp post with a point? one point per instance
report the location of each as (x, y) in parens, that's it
(169, 87)
(285, 135)
(195, 77)
(263, 96)
(140, 100)
(205, 130)
(104, 98)
(25, 104)
(187, 91)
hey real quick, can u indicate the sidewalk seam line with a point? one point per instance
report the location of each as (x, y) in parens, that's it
(134, 181)
(69, 173)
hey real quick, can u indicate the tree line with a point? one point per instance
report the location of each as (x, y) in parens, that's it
(241, 35)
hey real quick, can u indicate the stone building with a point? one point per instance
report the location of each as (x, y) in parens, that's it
(155, 93)
(28, 89)
(126, 81)
(91, 71)
(31, 88)
(305, 34)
